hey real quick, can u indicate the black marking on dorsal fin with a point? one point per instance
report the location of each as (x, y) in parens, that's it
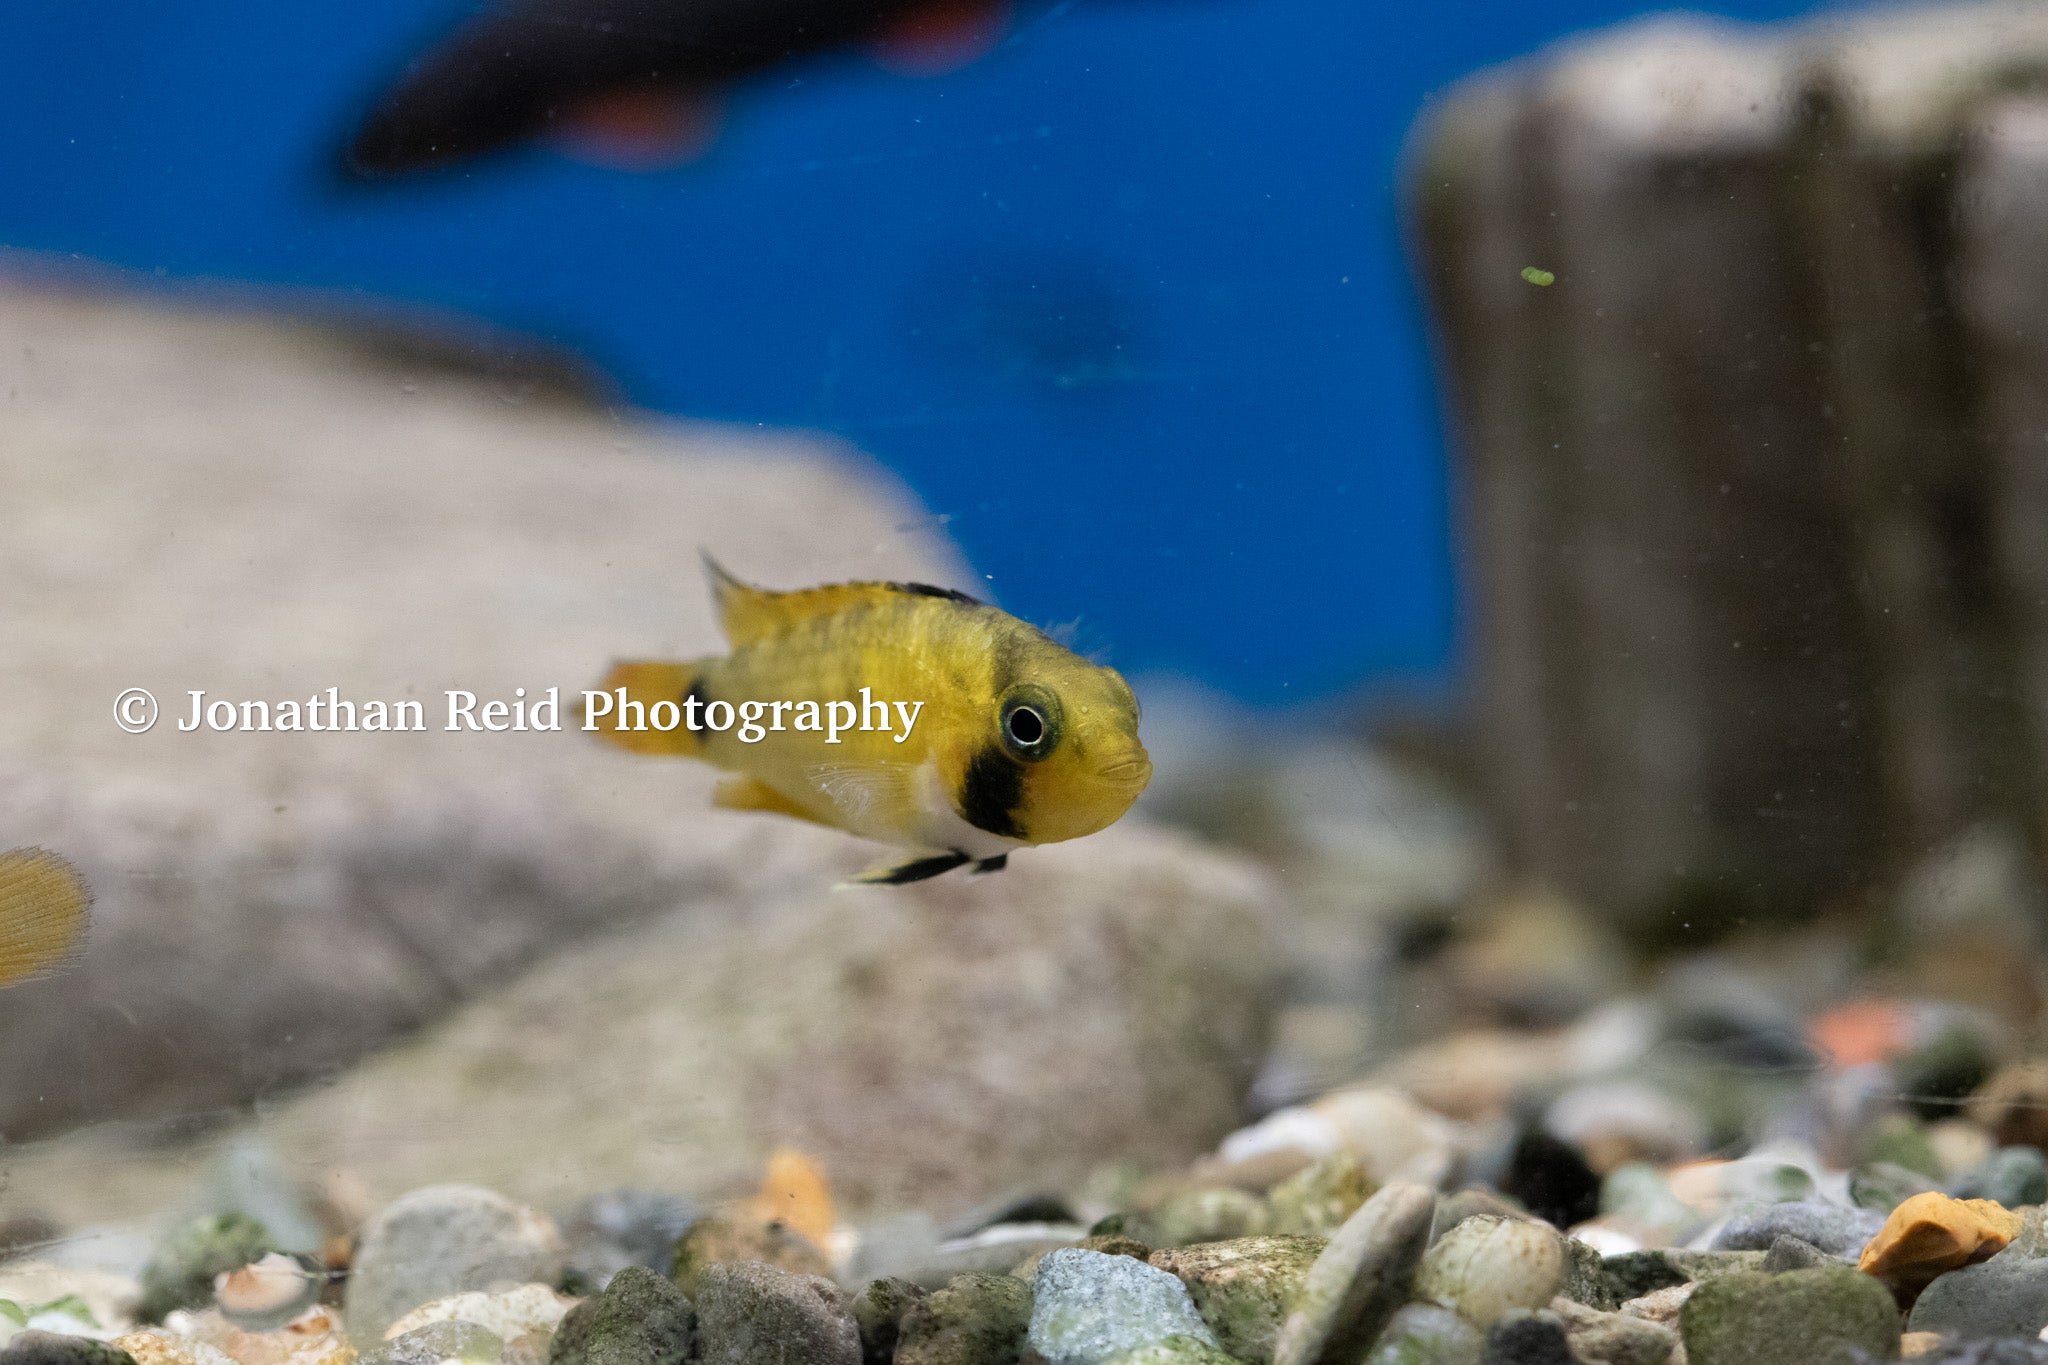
(995, 864)
(927, 590)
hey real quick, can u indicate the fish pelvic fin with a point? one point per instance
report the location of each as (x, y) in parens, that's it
(920, 868)
(646, 683)
(749, 614)
(44, 909)
(751, 793)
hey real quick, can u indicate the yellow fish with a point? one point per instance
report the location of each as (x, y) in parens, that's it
(43, 911)
(907, 714)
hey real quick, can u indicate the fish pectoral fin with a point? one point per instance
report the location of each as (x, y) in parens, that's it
(917, 869)
(870, 797)
(751, 793)
(995, 864)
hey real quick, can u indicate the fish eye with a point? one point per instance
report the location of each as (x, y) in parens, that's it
(1030, 722)
(1027, 727)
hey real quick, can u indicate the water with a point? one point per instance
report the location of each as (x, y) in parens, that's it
(1126, 301)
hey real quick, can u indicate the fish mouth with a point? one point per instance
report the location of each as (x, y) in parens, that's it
(1129, 772)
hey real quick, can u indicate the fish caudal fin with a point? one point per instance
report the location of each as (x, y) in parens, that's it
(636, 688)
(920, 868)
(44, 906)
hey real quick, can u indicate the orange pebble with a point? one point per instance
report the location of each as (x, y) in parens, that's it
(794, 1192)
(1931, 1234)
(1861, 1031)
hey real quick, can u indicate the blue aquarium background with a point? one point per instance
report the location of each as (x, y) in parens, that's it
(1125, 301)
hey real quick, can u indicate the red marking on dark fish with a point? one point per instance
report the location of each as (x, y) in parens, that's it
(641, 130)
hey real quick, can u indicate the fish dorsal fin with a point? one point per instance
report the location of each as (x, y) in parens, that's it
(749, 614)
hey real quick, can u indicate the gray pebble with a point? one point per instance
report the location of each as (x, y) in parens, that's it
(444, 1240)
(439, 1341)
(2013, 1176)
(610, 1231)
(1088, 1306)
(1598, 1338)
(1996, 1299)
(1424, 1334)
(1836, 1230)
(1790, 1253)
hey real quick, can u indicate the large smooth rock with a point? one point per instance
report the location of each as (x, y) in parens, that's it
(263, 510)
(930, 1046)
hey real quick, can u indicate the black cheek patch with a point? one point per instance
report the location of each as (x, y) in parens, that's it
(992, 792)
(696, 691)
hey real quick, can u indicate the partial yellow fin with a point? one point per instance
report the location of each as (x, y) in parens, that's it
(44, 906)
(648, 682)
(749, 614)
(750, 793)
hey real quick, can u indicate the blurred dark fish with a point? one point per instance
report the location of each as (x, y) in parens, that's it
(44, 905)
(634, 83)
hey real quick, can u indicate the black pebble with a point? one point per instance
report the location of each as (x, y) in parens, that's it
(1527, 1339)
(1551, 1180)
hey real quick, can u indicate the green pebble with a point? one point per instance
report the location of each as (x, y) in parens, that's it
(1537, 276)
(1244, 1288)
(974, 1320)
(1214, 1215)
(878, 1311)
(1900, 1141)
(1803, 1317)
(715, 1240)
(1316, 1200)
(52, 1348)
(181, 1273)
(1175, 1350)
(1586, 1279)
(639, 1319)
(1884, 1185)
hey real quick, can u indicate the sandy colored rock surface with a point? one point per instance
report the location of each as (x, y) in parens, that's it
(930, 1045)
(253, 508)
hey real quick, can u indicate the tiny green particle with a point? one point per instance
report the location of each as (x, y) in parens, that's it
(1538, 276)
